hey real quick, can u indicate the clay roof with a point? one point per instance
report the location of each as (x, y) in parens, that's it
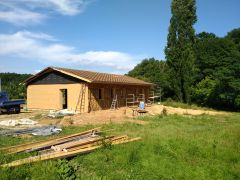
(93, 77)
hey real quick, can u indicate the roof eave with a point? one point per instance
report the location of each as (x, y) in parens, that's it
(56, 69)
(73, 75)
(117, 83)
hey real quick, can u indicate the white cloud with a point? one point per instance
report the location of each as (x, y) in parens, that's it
(40, 35)
(65, 7)
(27, 12)
(20, 17)
(69, 7)
(38, 46)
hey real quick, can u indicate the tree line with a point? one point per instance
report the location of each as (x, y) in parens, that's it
(216, 80)
(199, 68)
(11, 83)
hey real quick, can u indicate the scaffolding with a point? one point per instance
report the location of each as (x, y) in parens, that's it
(141, 97)
(130, 100)
(154, 95)
(133, 100)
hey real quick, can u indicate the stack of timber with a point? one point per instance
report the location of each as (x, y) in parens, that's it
(64, 147)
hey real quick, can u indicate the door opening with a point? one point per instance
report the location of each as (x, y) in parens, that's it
(64, 98)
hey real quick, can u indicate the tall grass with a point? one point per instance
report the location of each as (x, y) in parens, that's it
(173, 147)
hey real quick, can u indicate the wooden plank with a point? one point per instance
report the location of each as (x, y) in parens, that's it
(24, 147)
(127, 141)
(109, 139)
(59, 155)
(50, 156)
(75, 143)
(82, 142)
(61, 142)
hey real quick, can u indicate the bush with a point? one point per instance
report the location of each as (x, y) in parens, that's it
(204, 90)
(65, 171)
(237, 102)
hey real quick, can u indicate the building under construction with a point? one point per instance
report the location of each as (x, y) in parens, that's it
(83, 91)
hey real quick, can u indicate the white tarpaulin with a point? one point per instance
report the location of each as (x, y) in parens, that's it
(12, 122)
(63, 112)
(36, 131)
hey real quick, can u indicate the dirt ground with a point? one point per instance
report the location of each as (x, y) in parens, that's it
(23, 114)
(157, 109)
(120, 115)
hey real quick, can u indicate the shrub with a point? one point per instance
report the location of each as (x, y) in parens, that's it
(65, 171)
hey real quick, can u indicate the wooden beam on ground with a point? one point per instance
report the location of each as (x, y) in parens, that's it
(75, 143)
(99, 142)
(60, 155)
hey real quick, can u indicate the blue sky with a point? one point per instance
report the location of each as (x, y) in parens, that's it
(100, 35)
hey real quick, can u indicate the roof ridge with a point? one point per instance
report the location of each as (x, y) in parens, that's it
(88, 71)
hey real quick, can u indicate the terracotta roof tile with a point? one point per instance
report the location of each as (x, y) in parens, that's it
(93, 77)
(97, 77)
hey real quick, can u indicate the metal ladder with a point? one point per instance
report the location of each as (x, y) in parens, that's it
(114, 103)
(81, 99)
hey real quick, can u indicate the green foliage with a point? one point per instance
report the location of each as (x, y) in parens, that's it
(237, 101)
(218, 59)
(11, 84)
(234, 35)
(65, 170)
(212, 80)
(154, 71)
(179, 51)
(203, 92)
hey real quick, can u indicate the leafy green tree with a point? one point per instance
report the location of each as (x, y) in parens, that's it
(179, 51)
(219, 59)
(204, 91)
(154, 71)
(234, 35)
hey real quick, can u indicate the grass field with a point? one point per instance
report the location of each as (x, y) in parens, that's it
(173, 147)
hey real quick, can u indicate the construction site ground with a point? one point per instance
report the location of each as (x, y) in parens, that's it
(121, 115)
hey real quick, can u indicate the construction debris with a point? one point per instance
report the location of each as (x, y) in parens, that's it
(46, 131)
(17, 122)
(38, 131)
(64, 147)
(61, 113)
